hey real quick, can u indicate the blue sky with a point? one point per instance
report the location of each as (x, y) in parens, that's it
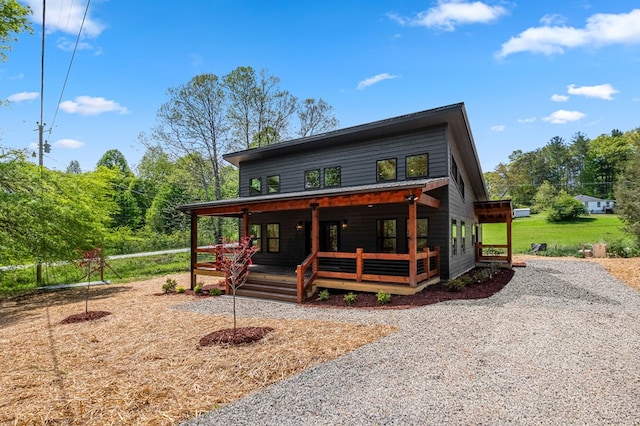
(527, 71)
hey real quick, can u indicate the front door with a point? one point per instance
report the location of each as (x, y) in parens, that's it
(330, 236)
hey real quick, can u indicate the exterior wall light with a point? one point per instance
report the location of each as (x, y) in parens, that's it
(299, 226)
(344, 224)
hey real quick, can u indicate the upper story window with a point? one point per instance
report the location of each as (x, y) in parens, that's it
(454, 169)
(312, 179)
(332, 176)
(386, 169)
(255, 186)
(273, 184)
(417, 166)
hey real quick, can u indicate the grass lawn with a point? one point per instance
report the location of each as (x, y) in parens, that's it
(560, 237)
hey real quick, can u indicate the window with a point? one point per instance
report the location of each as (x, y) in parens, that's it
(417, 166)
(255, 230)
(255, 186)
(463, 236)
(422, 232)
(312, 179)
(273, 237)
(386, 235)
(332, 176)
(454, 169)
(474, 234)
(386, 169)
(273, 184)
(462, 187)
(454, 237)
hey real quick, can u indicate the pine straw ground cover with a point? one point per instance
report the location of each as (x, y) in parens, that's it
(143, 364)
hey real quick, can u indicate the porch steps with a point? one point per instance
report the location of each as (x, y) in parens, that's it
(269, 287)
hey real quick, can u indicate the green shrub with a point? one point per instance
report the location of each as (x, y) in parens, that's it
(215, 292)
(622, 249)
(323, 295)
(481, 275)
(197, 289)
(169, 286)
(564, 208)
(179, 289)
(455, 284)
(350, 298)
(383, 298)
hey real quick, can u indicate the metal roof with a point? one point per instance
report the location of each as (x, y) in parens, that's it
(361, 189)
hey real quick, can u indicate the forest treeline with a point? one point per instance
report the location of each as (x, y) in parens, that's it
(579, 166)
(48, 215)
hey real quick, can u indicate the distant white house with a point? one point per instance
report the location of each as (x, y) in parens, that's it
(524, 212)
(596, 205)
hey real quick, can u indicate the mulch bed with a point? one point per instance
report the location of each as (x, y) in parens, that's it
(241, 335)
(85, 316)
(432, 294)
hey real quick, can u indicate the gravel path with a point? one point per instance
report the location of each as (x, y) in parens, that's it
(560, 344)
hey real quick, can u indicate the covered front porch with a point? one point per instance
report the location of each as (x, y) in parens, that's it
(310, 219)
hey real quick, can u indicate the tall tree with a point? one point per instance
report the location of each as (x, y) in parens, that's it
(74, 167)
(315, 116)
(256, 103)
(193, 124)
(47, 215)
(114, 159)
(13, 20)
(605, 159)
(627, 188)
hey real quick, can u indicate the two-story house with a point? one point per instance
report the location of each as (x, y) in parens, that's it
(396, 203)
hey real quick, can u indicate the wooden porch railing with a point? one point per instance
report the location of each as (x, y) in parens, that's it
(428, 263)
(492, 253)
(304, 282)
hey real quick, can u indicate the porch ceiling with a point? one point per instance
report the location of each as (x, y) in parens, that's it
(387, 193)
(493, 211)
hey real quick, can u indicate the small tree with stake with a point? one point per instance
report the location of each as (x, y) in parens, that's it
(235, 261)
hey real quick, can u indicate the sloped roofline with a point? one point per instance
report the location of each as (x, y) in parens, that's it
(454, 116)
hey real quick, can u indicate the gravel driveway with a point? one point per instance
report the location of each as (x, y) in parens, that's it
(560, 344)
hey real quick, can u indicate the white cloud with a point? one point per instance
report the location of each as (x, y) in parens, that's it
(552, 19)
(68, 45)
(68, 144)
(498, 128)
(66, 17)
(23, 96)
(527, 120)
(451, 13)
(635, 99)
(601, 29)
(602, 91)
(562, 116)
(375, 79)
(559, 98)
(88, 105)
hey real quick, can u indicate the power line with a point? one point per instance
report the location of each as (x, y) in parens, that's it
(66, 78)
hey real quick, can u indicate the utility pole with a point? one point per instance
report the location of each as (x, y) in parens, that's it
(41, 125)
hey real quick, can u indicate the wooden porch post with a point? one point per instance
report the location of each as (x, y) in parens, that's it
(245, 223)
(194, 246)
(413, 244)
(509, 242)
(315, 235)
